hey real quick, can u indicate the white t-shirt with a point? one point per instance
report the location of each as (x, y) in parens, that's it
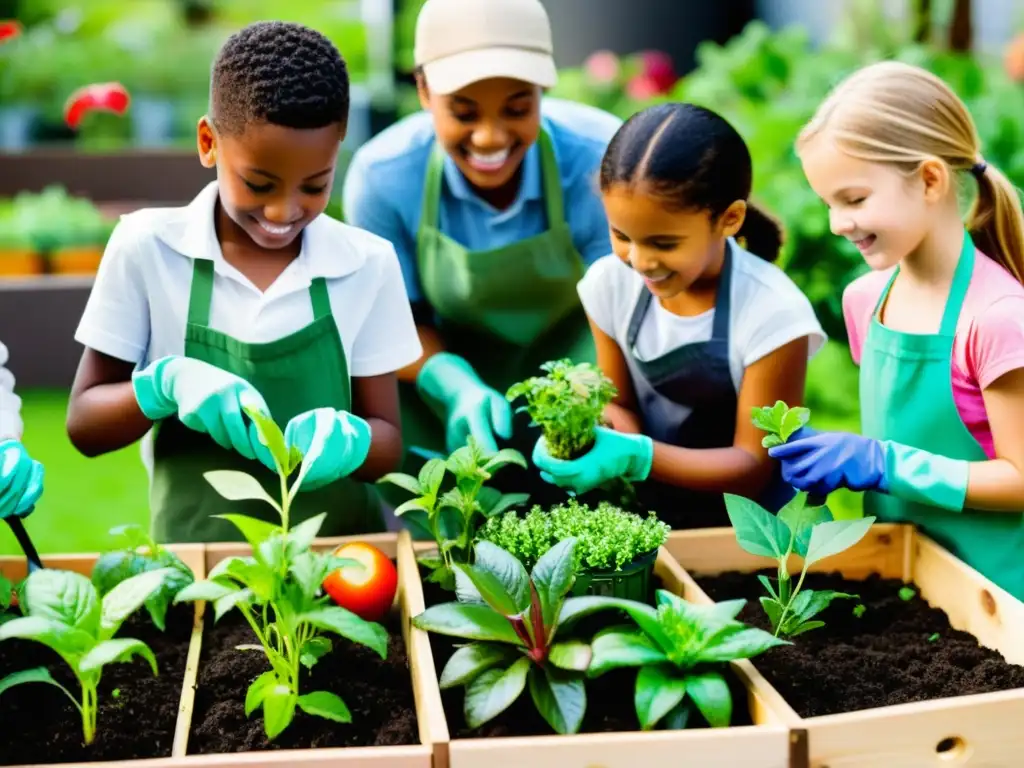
(10, 404)
(768, 311)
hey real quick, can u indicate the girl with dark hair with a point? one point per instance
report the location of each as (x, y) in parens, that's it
(693, 327)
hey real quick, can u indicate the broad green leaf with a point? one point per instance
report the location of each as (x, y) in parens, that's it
(763, 419)
(238, 486)
(805, 627)
(658, 692)
(470, 660)
(326, 705)
(120, 649)
(403, 481)
(128, 596)
(833, 537)
(258, 690)
(226, 603)
(768, 585)
(278, 710)
(795, 418)
(494, 691)
(572, 655)
(471, 621)
(465, 589)
(135, 535)
(771, 441)
(295, 458)
(180, 576)
(66, 597)
(6, 591)
(811, 602)
(345, 623)
(758, 531)
(710, 693)
(504, 457)
(553, 576)
(717, 613)
(801, 519)
(772, 609)
(559, 696)
(646, 617)
(500, 579)
(507, 502)
(615, 649)
(737, 641)
(302, 535)
(254, 530)
(203, 590)
(679, 717)
(313, 650)
(35, 675)
(412, 505)
(230, 566)
(431, 476)
(65, 640)
(778, 412)
(270, 435)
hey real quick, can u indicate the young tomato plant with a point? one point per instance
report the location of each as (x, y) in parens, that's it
(801, 529)
(682, 650)
(514, 621)
(64, 611)
(779, 421)
(140, 554)
(567, 404)
(278, 591)
(453, 513)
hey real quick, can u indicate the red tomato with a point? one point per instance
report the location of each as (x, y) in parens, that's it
(108, 97)
(368, 591)
(9, 30)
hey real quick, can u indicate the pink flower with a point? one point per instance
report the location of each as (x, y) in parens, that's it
(641, 88)
(658, 67)
(602, 67)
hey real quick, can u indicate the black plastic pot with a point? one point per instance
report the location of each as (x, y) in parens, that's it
(631, 582)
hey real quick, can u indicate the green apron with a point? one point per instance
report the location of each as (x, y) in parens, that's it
(907, 397)
(505, 310)
(297, 373)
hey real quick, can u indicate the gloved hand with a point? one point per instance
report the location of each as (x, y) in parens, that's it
(821, 462)
(335, 443)
(21, 480)
(614, 454)
(471, 407)
(205, 398)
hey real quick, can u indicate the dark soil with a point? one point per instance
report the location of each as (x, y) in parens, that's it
(896, 652)
(610, 705)
(378, 693)
(41, 725)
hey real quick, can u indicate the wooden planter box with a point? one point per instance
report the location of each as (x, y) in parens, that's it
(974, 730)
(16, 568)
(770, 743)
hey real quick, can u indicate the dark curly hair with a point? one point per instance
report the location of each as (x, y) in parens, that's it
(280, 73)
(692, 159)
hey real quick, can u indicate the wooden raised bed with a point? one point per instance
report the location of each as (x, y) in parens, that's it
(969, 730)
(15, 569)
(768, 743)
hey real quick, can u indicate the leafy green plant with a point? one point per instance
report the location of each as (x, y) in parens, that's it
(140, 554)
(681, 649)
(567, 404)
(807, 531)
(608, 537)
(515, 621)
(779, 421)
(64, 612)
(453, 513)
(277, 591)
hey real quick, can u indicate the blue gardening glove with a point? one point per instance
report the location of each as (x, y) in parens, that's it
(470, 406)
(204, 397)
(335, 444)
(614, 454)
(821, 462)
(21, 480)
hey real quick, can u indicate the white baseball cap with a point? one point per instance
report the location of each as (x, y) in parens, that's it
(459, 42)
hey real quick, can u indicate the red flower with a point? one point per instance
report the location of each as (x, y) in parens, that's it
(658, 68)
(641, 88)
(602, 67)
(9, 29)
(106, 97)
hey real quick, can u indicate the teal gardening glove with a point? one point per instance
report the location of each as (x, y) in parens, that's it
(334, 443)
(613, 455)
(470, 406)
(21, 480)
(205, 398)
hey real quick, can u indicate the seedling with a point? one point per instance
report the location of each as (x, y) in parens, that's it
(682, 650)
(277, 590)
(65, 612)
(907, 594)
(567, 404)
(859, 610)
(514, 620)
(933, 637)
(808, 531)
(453, 516)
(779, 421)
(140, 554)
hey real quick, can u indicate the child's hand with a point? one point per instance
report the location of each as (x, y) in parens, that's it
(21, 480)
(614, 454)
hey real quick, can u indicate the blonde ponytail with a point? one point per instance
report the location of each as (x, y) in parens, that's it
(904, 115)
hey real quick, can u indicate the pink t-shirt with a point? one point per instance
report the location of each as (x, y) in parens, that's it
(989, 338)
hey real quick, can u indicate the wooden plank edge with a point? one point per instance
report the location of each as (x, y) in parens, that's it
(194, 555)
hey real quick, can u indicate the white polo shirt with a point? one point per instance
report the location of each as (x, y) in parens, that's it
(138, 307)
(10, 404)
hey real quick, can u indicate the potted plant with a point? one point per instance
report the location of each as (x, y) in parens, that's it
(615, 552)
(78, 238)
(18, 254)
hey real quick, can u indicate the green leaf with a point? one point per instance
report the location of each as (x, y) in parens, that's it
(431, 476)
(465, 589)
(553, 575)
(494, 691)
(646, 617)
(678, 718)
(270, 435)
(833, 537)
(238, 486)
(772, 609)
(278, 710)
(811, 602)
(118, 650)
(65, 597)
(572, 655)
(35, 675)
(128, 596)
(345, 623)
(412, 505)
(257, 691)
(226, 603)
(135, 536)
(314, 649)
(403, 481)
(470, 660)
(657, 693)
(255, 531)
(805, 627)
(472, 621)
(614, 649)
(794, 419)
(560, 697)
(758, 531)
(710, 693)
(326, 705)
(494, 503)
(801, 520)
(204, 590)
(737, 641)
(504, 457)
(764, 419)
(771, 441)
(302, 535)
(768, 585)
(65, 640)
(500, 579)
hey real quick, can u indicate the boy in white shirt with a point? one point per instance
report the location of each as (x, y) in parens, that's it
(251, 296)
(21, 477)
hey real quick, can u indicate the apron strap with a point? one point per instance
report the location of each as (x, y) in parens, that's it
(321, 298)
(201, 292)
(550, 180)
(431, 195)
(958, 290)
